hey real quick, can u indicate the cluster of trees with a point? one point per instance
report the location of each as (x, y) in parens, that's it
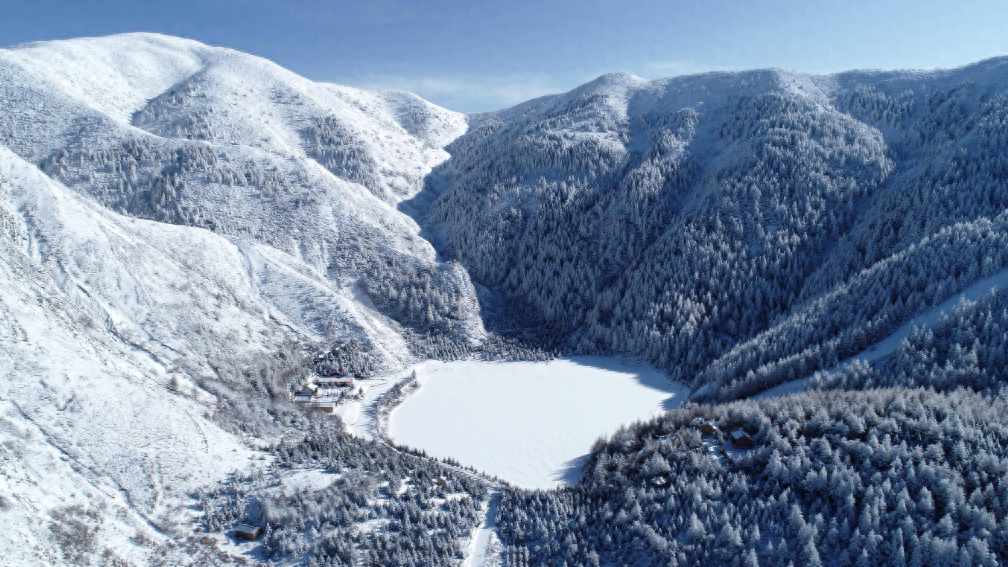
(868, 104)
(883, 477)
(346, 358)
(495, 346)
(340, 150)
(172, 115)
(427, 298)
(937, 225)
(146, 177)
(384, 506)
(967, 348)
(858, 312)
(391, 399)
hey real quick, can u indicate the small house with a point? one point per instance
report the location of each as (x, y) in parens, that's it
(337, 381)
(326, 405)
(741, 439)
(306, 393)
(440, 481)
(248, 532)
(709, 427)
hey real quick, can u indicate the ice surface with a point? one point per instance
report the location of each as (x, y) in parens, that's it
(529, 423)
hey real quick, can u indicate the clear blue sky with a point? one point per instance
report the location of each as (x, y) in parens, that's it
(472, 55)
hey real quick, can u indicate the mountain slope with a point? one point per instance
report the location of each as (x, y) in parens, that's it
(737, 229)
(181, 226)
(164, 270)
(175, 131)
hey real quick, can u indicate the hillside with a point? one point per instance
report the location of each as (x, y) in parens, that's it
(736, 229)
(181, 226)
(174, 131)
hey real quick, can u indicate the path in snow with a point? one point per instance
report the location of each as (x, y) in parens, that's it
(479, 554)
(998, 282)
(529, 423)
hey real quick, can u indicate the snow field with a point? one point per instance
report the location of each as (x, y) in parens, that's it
(528, 423)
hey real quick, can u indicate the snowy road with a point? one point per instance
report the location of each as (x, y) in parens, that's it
(479, 549)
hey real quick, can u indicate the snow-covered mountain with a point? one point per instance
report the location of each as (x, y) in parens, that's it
(175, 131)
(181, 224)
(737, 229)
(174, 214)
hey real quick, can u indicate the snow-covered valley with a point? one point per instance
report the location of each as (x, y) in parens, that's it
(190, 235)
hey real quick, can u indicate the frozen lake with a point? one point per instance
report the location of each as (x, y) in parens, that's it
(529, 423)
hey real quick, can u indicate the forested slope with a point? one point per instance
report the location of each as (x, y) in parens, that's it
(883, 477)
(737, 229)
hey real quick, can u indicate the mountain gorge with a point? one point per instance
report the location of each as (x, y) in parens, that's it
(185, 230)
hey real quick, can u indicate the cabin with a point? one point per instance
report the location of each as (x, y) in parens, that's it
(325, 404)
(709, 427)
(336, 381)
(309, 397)
(741, 439)
(248, 532)
(306, 393)
(440, 481)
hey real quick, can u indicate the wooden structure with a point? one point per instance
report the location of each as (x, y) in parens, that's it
(709, 427)
(306, 393)
(248, 532)
(741, 439)
(308, 396)
(335, 381)
(328, 406)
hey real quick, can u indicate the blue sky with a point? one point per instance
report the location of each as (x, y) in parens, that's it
(474, 56)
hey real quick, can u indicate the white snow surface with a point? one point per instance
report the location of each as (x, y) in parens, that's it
(529, 423)
(304, 223)
(95, 312)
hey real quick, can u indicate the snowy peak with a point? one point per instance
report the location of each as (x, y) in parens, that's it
(114, 75)
(181, 89)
